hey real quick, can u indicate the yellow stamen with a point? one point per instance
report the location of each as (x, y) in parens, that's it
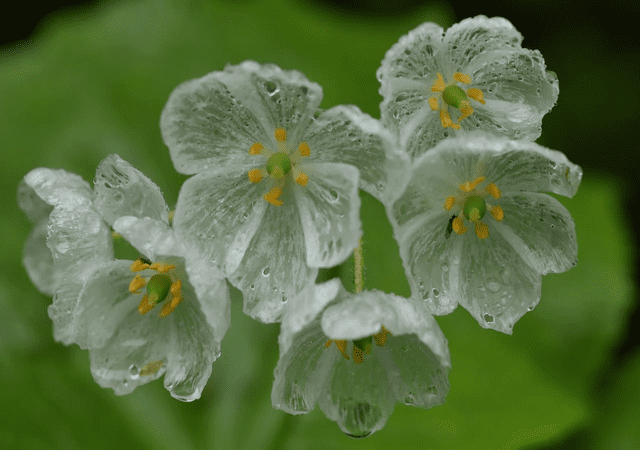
(381, 338)
(358, 355)
(433, 102)
(272, 196)
(446, 121)
(438, 85)
(476, 94)
(255, 175)
(136, 284)
(341, 344)
(466, 110)
(458, 225)
(448, 204)
(171, 214)
(497, 213)
(115, 235)
(176, 287)
(304, 149)
(493, 190)
(281, 134)
(471, 185)
(138, 266)
(162, 267)
(170, 306)
(302, 179)
(482, 230)
(145, 305)
(462, 78)
(256, 149)
(151, 368)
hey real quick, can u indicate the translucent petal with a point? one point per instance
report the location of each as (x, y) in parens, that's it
(216, 211)
(122, 190)
(151, 237)
(303, 370)
(346, 135)
(329, 208)
(42, 188)
(358, 397)
(211, 122)
(417, 375)
(38, 261)
(424, 130)
(273, 269)
(65, 301)
(540, 230)
(493, 282)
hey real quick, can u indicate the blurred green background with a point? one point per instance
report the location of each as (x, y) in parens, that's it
(93, 81)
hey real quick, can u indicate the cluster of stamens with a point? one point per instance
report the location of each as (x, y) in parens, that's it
(159, 286)
(473, 207)
(362, 346)
(279, 164)
(453, 95)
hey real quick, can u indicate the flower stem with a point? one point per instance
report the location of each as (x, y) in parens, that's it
(359, 266)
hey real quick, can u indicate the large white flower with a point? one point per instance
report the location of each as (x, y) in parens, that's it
(356, 355)
(473, 229)
(276, 185)
(474, 76)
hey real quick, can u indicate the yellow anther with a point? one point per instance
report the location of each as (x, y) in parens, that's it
(449, 202)
(170, 306)
(138, 266)
(438, 85)
(304, 149)
(272, 196)
(433, 103)
(162, 267)
(341, 344)
(256, 149)
(446, 121)
(151, 368)
(302, 179)
(497, 213)
(458, 225)
(471, 185)
(381, 338)
(115, 235)
(493, 190)
(136, 284)
(476, 94)
(358, 355)
(145, 305)
(281, 134)
(176, 287)
(255, 175)
(482, 230)
(462, 78)
(466, 110)
(171, 214)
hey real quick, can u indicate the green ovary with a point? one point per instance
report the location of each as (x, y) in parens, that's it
(474, 208)
(158, 287)
(363, 343)
(454, 96)
(279, 165)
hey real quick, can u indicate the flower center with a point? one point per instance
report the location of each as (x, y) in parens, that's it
(160, 286)
(454, 96)
(472, 206)
(361, 346)
(279, 164)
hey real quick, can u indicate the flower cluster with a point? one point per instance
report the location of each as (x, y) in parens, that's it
(273, 197)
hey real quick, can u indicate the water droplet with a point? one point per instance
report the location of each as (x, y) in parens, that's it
(488, 318)
(252, 287)
(134, 371)
(265, 272)
(492, 87)
(125, 383)
(333, 195)
(435, 292)
(503, 300)
(530, 308)
(271, 88)
(380, 185)
(425, 295)
(421, 284)
(445, 268)
(432, 390)
(409, 400)
(493, 285)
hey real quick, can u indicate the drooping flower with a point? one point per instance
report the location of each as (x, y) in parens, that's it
(475, 76)
(105, 308)
(275, 190)
(356, 355)
(473, 228)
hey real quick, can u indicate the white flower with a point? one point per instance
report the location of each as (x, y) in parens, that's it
(356, 355)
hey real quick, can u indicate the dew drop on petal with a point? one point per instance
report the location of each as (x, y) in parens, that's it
(493, 285)
(435, 292)
(265, 272)
(432, 390)
(445, 268)
(134, 371)
(488, 318)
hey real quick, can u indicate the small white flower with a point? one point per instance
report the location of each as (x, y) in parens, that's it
(356, 355)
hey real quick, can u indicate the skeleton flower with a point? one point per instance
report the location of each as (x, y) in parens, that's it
(356, 355)
(476, 76)
(107, 309)
(473, 229)
(275, 189)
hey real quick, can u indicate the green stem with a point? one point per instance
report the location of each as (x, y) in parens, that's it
(359, 266)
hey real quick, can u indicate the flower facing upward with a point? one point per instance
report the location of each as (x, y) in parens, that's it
(275, 190)
(476, 76)
(356, 355)
(472, 228)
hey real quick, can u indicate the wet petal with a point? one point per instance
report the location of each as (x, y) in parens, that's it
(122, 190)
(38, 261)
(151, 237)
(211, 122)
(329, 208)
(540, 230)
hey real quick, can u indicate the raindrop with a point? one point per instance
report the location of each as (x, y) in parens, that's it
(432, 390)
(380, 185)
(265, 273)
(252, 287)
(492, 87)
(134, 371)
(409, 400)
(488, 318)
(333, 196)
(445, 268)
(125, 383)
(425, 295)
(435, 292)
(271, 88)
(493, 285)
(530, 308)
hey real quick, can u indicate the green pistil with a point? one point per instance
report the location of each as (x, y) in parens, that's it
(158, 287)
(454, 96)
(474, 208)
(279, 165)
(363, 344)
